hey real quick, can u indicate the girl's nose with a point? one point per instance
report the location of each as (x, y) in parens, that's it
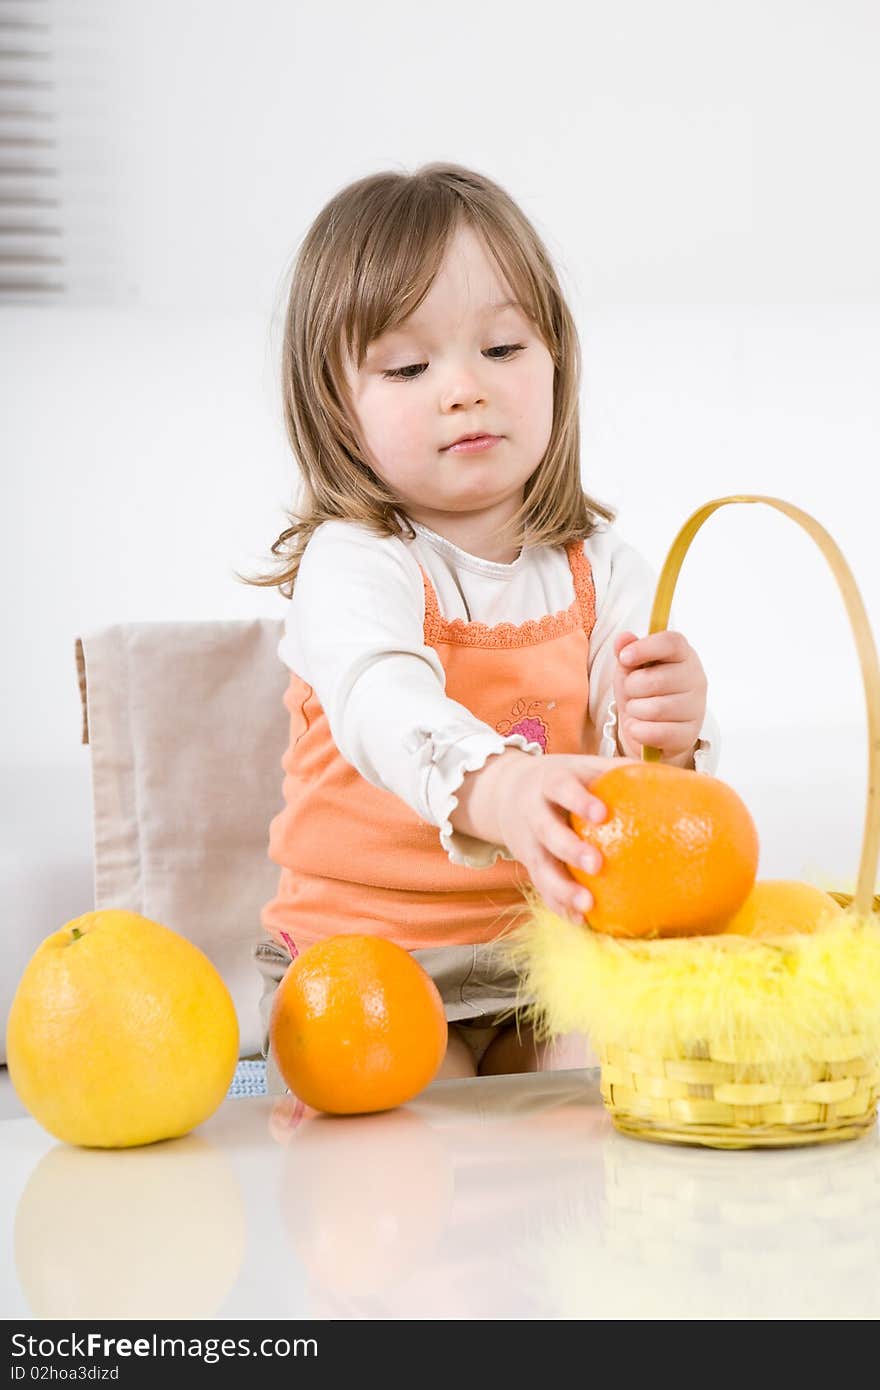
(464, 394)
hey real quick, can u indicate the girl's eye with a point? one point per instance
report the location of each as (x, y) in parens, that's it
(411, 373)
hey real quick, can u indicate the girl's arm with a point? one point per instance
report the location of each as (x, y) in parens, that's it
(525, 802)
(354, 632)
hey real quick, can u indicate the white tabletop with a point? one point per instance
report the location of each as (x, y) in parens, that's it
(504, 1197)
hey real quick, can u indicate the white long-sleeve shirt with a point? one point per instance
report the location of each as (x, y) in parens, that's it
(354, 632)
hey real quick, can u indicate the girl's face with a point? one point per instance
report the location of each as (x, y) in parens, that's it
(459, 365)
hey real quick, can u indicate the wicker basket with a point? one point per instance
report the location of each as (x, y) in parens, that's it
(806, 1070)
(730, 1103)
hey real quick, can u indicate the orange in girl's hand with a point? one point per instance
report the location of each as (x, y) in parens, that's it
(357, 1025)
(680, 852)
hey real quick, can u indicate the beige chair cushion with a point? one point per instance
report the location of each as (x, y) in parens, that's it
(186, 728)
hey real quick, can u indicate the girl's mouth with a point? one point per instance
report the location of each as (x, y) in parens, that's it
(474, 446)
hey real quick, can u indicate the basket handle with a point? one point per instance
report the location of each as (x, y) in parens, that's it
(864, 897)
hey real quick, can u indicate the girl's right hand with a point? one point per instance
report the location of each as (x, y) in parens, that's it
(531, 797)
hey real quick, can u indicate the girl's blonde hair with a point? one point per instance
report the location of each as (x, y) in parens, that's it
(365, 264)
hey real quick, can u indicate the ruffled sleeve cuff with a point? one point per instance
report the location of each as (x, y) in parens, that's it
(608, 745)
(444, 759)
(707, 753)
(707, 750)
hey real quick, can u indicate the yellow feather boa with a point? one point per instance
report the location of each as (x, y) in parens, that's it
(703, 995)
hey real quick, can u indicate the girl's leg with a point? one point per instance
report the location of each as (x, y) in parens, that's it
(459, 1060)
(515, 1050)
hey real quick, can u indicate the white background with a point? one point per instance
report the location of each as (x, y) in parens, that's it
(704, 177)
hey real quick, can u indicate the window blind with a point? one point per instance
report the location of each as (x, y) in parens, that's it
(32, 262)
(59, 185)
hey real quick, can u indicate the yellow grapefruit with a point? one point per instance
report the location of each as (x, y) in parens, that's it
(121, 1032)
(782, 905)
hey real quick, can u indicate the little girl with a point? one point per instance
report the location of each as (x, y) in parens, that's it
(462, 631)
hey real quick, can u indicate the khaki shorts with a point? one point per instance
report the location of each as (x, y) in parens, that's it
(480, 993)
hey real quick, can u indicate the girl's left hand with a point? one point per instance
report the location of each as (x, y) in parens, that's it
(660, 689)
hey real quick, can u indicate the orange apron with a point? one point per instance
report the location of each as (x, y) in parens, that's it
(357, 858)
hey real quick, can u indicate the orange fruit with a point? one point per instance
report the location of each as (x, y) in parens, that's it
(680, 852)
(357, 1025)
(782, 905)
(121, 1032)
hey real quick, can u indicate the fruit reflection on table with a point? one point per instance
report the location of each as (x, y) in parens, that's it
(157, 1230)
(542, 1203)
(686, 1232)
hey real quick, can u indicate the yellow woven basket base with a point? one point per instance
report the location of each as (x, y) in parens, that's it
(735, 1102)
